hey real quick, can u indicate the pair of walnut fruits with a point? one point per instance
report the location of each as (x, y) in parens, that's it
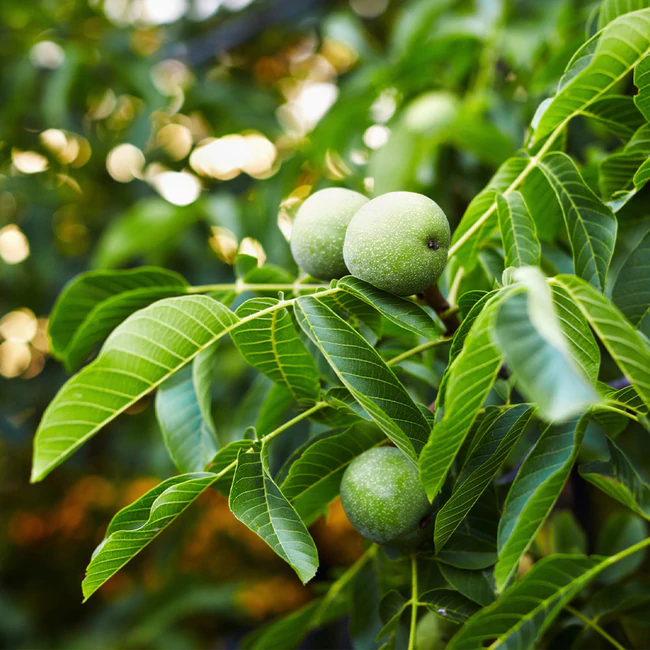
(397, 242)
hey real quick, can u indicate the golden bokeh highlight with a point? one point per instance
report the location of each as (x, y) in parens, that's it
(176, 140)
(15, 357)
(250, 246)
(226, 157)
(14, 246)
(25, 345)
(224, 243)
(29, 162)
(68, 148)
(19, 326)
(178, 188)
(125, 163)
(376, 136)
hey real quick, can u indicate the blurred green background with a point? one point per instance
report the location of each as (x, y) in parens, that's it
(178, 133)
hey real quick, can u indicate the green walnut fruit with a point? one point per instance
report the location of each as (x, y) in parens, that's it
(433, 632)
(384, 500)
(319, 230)
(398, 242)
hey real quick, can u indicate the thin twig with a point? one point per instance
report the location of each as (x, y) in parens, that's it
(414, 601)
(416, 350)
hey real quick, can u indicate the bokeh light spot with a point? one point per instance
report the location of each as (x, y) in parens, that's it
(125, 162)
(47, 54)
(15, 357)
(250, 246)
(376, 136)
(20, 325)
(14, 247)
(176, 140)
(179, 188)
(29, 162)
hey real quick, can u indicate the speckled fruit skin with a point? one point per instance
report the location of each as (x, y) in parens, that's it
(398, 242)
(319, 230)
(383, 499)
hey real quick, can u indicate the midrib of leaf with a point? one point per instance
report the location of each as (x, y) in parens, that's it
(274, 347)
(534, 160)
(585, 577)
(37, 476)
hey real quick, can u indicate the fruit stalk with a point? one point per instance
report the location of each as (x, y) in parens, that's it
(434, 298)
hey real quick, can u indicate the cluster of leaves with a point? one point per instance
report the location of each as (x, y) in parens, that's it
(541, 331)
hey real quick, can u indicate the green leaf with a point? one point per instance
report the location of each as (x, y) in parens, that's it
(621, 45)
(642, 82)
(314, 479)
(584, 350)
(590, 224)
(136, 525)
(183, 411)
(391, 609)
(147, 348)
(618, 478)
(524, 611)
(623, 173)
(400, 311)
(476, 585)
(471, 375)
(493, 445)
(621, 531)
(483, 207)
(467, 551)
(449, 604)
(631, 293)
(611, 9)
(365, 374)
(259, 504)
(627, 347)
(539, 356)
(616, 112)
(271, 344)
(518, 231)
(162, 222)
(534, 492)
(94, 303)
(359, 310)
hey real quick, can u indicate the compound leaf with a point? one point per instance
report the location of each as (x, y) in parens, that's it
(94, 303)
(141, 353)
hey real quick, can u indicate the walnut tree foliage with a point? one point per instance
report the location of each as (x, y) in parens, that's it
(539, 367)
